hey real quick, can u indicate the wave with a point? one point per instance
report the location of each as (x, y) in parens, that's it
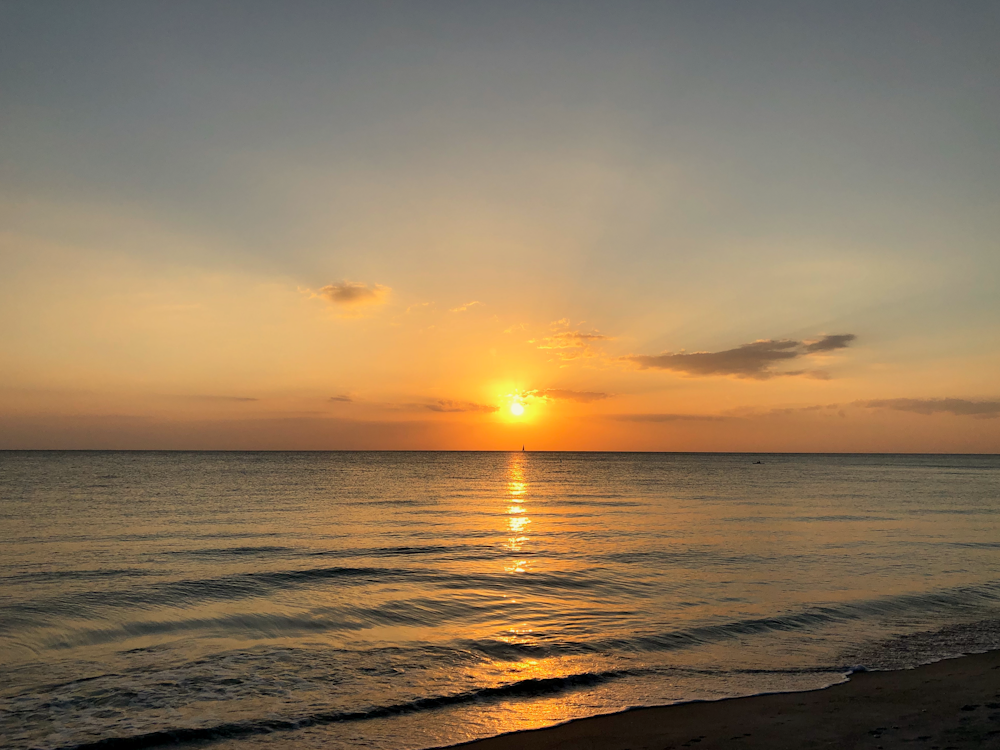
(446, 552)
(262, 625)
(521, 689)
(952, 600)
(69, 575)
(224, 552)
(251, 585)
(427, 611)
(193, 591)
(922, 647)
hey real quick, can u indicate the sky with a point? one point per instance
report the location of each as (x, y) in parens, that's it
(677, 226)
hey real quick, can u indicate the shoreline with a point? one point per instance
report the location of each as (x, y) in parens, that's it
(952, 704)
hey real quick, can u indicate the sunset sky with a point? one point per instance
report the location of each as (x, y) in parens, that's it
(645, 225)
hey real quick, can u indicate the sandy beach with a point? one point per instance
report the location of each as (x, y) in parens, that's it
(953, 704)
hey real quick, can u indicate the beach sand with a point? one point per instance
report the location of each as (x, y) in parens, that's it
(951, 704)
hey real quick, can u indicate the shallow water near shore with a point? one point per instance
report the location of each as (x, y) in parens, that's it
(408, 600)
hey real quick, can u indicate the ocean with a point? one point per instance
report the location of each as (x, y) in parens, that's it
(399, 600)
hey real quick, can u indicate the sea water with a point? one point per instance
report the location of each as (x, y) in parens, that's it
(410, 600)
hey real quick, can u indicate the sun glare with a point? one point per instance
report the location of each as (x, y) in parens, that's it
(516, 409)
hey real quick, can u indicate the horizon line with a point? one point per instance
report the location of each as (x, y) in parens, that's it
(472, 450)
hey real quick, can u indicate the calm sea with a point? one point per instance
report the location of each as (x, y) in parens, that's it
(408, 600)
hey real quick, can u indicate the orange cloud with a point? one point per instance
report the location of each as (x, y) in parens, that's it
(562, 393)
(448, 406)
(570, 344)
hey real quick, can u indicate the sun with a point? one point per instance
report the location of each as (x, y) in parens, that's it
(516, 409)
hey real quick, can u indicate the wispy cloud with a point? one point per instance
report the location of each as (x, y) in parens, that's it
(466, 306)
(342, 397)
(754, 361)
(200, 397)
(448, 406)
(354, 293)
(737, 414)
(752, 412)
(669, 417)
(569, 340)
(568, 395)
(789, 410)
(958, 406)
(569, 343)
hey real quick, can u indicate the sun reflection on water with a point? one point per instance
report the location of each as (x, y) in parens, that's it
(516, 518)
(515, 566)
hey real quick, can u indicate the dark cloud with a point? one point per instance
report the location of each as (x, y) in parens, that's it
(562, 393)
(753, 361)
(829, 343)
(958, 406)
(354, 293)
(445, 405)
(341, 398)
(814, 374)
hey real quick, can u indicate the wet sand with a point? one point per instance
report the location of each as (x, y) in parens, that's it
(951, 705)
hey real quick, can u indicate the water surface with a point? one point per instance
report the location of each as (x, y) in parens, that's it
(406, 600)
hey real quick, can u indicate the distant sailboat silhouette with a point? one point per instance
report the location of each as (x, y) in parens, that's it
(522, 449)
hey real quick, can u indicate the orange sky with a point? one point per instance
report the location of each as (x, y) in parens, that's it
(651, 231)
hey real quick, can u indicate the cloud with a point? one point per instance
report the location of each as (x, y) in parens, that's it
(448, 406)
(466, 306)
(786, 410)
(958, 406)
(341, 398)
(569, 340)
(196, 397)
(752, 361)
(829, 343)
(354, 293)
(668, 417)
(753, 412)
(570, 344)
(116, 432)
(739, 414)
(562, 393)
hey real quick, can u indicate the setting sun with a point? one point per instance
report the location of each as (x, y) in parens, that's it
(502, 370)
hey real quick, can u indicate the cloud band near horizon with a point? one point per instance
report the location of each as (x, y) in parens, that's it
(958, 407)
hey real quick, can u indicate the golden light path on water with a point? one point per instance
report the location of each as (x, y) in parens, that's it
(540, 711)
